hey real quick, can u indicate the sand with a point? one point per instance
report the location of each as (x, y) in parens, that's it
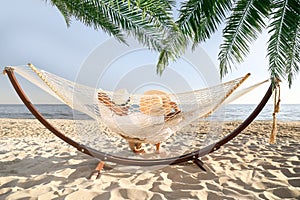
(36, 165)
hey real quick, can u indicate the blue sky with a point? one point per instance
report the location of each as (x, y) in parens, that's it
(34, 31)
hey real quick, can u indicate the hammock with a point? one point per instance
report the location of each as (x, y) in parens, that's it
(152, 117)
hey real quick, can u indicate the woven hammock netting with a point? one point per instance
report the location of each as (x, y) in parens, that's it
(177, 121)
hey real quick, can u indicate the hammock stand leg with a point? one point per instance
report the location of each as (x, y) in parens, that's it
(192, 156)
(200, 164)
(97, 170)
(39, 116)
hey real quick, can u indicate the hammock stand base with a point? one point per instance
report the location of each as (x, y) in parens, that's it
(105, 157)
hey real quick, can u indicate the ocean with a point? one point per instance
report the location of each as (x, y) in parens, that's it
(232, 112)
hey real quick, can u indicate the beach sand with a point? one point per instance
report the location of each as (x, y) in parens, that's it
(34, 164)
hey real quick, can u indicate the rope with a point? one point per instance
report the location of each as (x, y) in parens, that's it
(35, 70)
(272, 139)
(227, 95)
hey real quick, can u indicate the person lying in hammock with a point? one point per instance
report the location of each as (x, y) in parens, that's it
(152, 102)
(120, 110)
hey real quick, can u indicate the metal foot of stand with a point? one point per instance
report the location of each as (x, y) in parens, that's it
(97, 170)
(200, 164)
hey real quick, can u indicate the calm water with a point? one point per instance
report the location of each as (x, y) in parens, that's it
(232, 112)
(49, 111)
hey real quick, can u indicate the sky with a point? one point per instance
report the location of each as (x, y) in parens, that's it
(33, 31)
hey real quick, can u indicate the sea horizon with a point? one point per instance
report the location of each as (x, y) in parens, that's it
(230, 112)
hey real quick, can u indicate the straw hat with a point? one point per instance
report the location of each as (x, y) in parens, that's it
(155, 103)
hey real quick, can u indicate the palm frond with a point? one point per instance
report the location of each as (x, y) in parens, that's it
(293, 59)
(158, 9)
(292, 50)
(173, 41)
(283, 45)
(243, 26)
(146, 20)
(88, 13)
(199, 18)
(174, 46)
(61, 6)
(197, 21)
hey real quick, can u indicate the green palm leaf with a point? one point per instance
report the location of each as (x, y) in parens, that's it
(293, 59)
(197, 21)
(62, 7)
(174, 46)
(243, 26)
(148, 21)
(89, 13)
(283, 45)
(199, 18)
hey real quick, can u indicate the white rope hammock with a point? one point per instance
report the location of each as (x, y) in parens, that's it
(143, 118)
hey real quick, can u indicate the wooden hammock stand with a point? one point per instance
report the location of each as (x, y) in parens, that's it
(105, 157)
